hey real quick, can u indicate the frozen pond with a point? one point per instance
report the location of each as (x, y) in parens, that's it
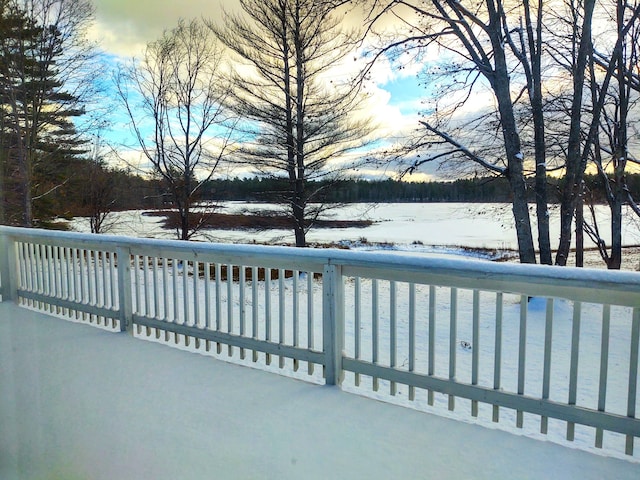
(437, 228)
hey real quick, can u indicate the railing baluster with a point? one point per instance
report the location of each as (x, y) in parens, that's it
(281, 313)
(412, 336)
(374, 328)
(42, 287)
(267, 308)
(136, 282)
(218, 273)
(573, 370)
(310, 319)
(207, 301)
(296, 315)
(57, 282)
(497, 353)
(254, 308)
(96, 277)
(113, 280)
(196, 298)
(522, 354)
(165, 291)
(242, 307)
(633, 375)
(22, 267)
(185, 297)
(35, 270)
(546, 374)
(83, 279)
(90, 299)
(392, 332)
(475, 348)
(156, 289)
(5, 268)
(176, 302)
(207, 296)
(106, 299)
(74, 277)
(46, 272)
(432, 339)
(115, 299)
(66, 295)
(357, 292)
(453, 334)
(146, 289)
(604, 367)
(230, 304)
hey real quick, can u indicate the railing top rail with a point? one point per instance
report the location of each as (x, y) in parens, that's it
(583, 284)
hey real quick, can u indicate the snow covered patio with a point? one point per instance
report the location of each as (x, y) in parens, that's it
(77, 402)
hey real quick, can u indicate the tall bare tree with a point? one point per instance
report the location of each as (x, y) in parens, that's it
(577, 149)
(472, 35)
(611, 153)
(174, 100)
(300, 116)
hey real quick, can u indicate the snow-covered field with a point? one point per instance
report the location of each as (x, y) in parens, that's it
(432, 228)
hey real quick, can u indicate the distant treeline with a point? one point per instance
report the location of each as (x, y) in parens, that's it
(90, 186)
(354, 191)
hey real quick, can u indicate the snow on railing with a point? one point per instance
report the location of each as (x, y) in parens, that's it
(546, 346)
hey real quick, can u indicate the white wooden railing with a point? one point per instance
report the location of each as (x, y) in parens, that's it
(541, 344)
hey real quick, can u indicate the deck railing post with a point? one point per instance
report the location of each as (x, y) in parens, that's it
(8, 268)
(333, 323)
(124, 289)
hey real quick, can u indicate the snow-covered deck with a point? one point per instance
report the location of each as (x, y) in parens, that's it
(77, 402)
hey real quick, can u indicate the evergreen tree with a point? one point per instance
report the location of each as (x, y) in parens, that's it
(38, 108)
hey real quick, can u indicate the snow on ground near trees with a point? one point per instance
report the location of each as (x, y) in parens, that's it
(433, 228)
(78, 403)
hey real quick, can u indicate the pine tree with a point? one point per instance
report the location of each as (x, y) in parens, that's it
(37, 111)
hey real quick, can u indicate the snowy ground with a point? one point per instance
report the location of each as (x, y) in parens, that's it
(591, 327)
(421, 228)
(80, 403)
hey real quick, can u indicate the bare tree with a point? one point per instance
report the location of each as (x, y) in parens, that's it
(174, 100)
(300, 117)
(473, 36)
(577, 149)
(611, 154)
(98, 196)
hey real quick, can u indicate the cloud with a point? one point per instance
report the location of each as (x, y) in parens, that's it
(124, 27)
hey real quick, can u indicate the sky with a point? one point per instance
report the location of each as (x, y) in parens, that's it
(123, 28)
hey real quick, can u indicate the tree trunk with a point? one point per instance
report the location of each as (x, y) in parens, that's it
(25, 187)
(580, 229)
(615, 259)
(535, 42)
(501, 87)
(298, 220)
(574, 163)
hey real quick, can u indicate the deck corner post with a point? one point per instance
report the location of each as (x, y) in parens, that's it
(333, 323)
(124, 289)
(8, 268)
